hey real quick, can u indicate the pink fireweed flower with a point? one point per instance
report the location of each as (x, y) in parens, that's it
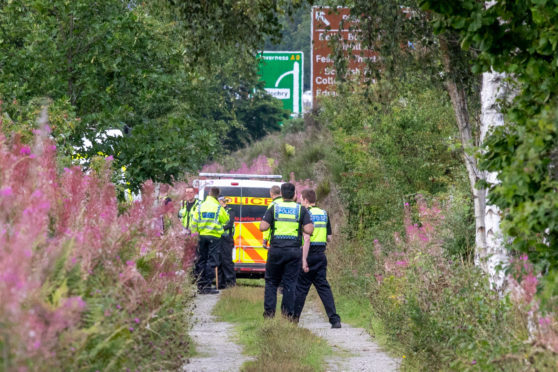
(109, 158)
(32, 156)
(402, 263)
(544, 321)
(25, 150)
(406, 204)
(131, 263)
(6, 191)
(131, 329)
(523, 257)
(137, 320)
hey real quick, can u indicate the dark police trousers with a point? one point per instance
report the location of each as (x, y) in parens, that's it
(283, 264)
(207, 258)
(227, 276)
(317, 263)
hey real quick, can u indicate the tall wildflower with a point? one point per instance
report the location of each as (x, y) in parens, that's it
(67, 257)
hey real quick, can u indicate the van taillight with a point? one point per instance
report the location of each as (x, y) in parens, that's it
(234, 183)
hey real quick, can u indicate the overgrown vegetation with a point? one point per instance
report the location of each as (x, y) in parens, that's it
(277, 344)
(84, 286)
(519, 38)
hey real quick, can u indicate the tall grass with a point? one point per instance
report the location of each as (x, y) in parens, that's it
(82, 286)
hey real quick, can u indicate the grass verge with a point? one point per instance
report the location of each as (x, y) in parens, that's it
(276, 344)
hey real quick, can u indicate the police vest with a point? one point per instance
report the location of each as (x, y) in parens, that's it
(207, 218)
(286, 220)
(267, 233)
(319, 218)
(187, 216)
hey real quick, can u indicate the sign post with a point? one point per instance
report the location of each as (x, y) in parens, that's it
(282, 74)
(326, 23)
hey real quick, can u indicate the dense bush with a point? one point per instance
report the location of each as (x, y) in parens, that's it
(442, 311)
(82, 286)
(387, 152)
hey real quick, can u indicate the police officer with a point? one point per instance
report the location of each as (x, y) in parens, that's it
(275, 194)
(208, 221)
(227, 276)
(314, 261)
(186, 212)
(287, 220)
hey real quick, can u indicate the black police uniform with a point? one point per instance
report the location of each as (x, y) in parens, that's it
(284, 260)
(227, 276)
(317, 264)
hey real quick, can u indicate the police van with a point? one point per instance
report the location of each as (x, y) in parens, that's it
(249, 198)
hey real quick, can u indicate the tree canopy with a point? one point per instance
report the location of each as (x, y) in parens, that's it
(520, 39)
(169, 74)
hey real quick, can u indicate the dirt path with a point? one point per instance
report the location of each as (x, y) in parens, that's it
(214, 340)
(353, 348)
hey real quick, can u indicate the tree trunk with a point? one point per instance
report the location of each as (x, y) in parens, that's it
(493, 253)
(456, 90)
(489, 250)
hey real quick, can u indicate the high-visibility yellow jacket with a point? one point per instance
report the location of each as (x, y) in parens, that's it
(286, 220)
(267, 233)
(319, 219)
(187, 217)
(209, 218)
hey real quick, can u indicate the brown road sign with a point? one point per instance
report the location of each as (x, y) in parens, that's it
(328, 23)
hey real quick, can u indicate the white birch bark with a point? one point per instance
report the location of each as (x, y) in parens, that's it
(490, 252)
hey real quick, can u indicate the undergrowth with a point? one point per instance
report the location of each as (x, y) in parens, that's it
(85, 283)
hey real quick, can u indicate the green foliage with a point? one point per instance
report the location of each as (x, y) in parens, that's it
(293, 125)
(388, 152)
(175, 76)
(259, 114)
(519, 38)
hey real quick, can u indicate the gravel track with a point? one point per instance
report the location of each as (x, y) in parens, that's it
(353, 349)
(214, 340)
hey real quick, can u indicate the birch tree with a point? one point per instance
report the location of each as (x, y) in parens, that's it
(517, 38)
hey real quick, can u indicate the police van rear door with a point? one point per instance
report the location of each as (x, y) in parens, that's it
(253, 204)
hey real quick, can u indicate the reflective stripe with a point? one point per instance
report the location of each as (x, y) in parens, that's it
(211, 227)
(286, 220)
(285, 237)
